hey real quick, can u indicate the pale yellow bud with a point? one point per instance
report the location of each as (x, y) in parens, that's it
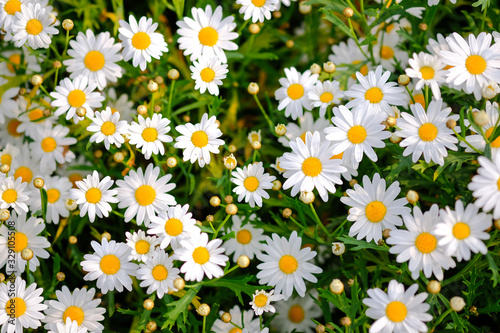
(231, 209)
(329, 67)
(106, 235)
(27, 254)
(230, 162)
(215, 201)
(152, 86)
(338, 248)
(226, 317)
(481, 118)
(4, 168)
(348, 12)
(171, 162)
(38, 182)
(412, 197)
(276, 185)
(307, 197)
(304, 9)
(118, 157)
(68, 24)
(254, 28)
(280, 129)
(72, 239)
(256, 145)
(179, 283)
(36, 80)
(173, 74)
(4, 214)
(457, 303)
(228, 199)
(253, 88)
(243, 261)
(434, 287)
(203, 310)
(315, 68)
(60, 276)
(70, 204)
(81, 111)
(148, 304)
(404, 80)
(151, 326)
(287, 212)
(336, 286)
(142, 110)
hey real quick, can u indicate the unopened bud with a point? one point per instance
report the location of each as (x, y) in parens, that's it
(348, 12)
(72, 239)
(276, 185)
(243, 261)
(253, 88)
(57, 64)
(226, 317)
(391, 121)
(60, 276)
(27, 254)
(157, 109)
(307, 197)
(338, 248)
(280, 129)
(422, 26)
(345, 321)
(98, 153)
(290, 43)
(386, 233)
(159, 80)
(151, 326)
(329, 67)
(232, 148)
(395, 138)
(231, 209)
(320, 328)
(315, 68)
(179, 283)
(2, 277)
(497, 224)
(412, 197)
(106, 235)
(148, 304)
(70, 204)
(203, 310)
(254, 28)
(209, 218)
(304, 9)
(68, 24)
(152, 86)
(81, 111)
(38, 182)
(490, 90)
(142, 110)
(480, 118)
(353, 182)
(336, 286)
(215, 201)
(4, 168)
(118, 157)
(451, 124)
(4, 214)
(256, 145)
(171, 162)
(457, 303)
(287, 212)
(230, 162)
(36, 80)
(404, 80)
(173, 74)
(277, 14)
(434, 287)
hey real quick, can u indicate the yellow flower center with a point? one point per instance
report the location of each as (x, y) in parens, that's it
(326, 97)
(244, 236)
(110, 264)
(363, 70)
(25, 174)
(425, 242)
(150, 134)
(296, 314)
(77, 98)
(94, 60)
(173, 227)
(208, 36)
(259, 3)
(142, 247)
(260, 300)
(12, 127)
(201, 255)
(303, 136)
(251, 183)
(428, 132)
(53, 195)
(9, 196)
(109, 128)
(475, 64)
(255, 137)
(6, 159)
(337, 157)
(356, 134)
(145, 195)
(35, 114)
(419, 98)
(199, 139)
(113, 110)
(49, 144)
(74, 313)
(461, 230)
(496, 142)
(207, 74)
(235, 330)
(93, 195)
(14, 59)
(20, 242)
(141, 40)
(295, 91)
(498, 184)
(427, 72)
(312, 166)
(12, 7)
(374, 95)
(159, 273)
(387, 52)
(375, 211)
(34, 27)
(288, 264)
(396, 311)
(73, 178)
(19, 306)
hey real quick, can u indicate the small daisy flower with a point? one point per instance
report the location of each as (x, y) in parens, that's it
(296, 314)
(428, 70)
(208, 73)
(7, 104)
(286, 266)
(426, 132)
(109, 265)
(463, 230)
(8, 154)
(142, 246)
(293, 94)
(95, 58)
(32, 26)
(13, 194)
(254, 136)
(27, 304)
(374, 93)
(485, 186)
(173, 225)
(201, 257)
(108, 127)
(277, 166)
(8, 10)
(397, 310)
(93, 196)
(323, 94)
(199, 140)
(257, 10)
(140, 41)
(477, 140)
(419, 244)
(150, 134)
(207, 34)
(26, 167)
(389, 52)
(57, 189)
(68, 327)
(374, 208)
(306, 124)
(20, 59)
(78, 306)
(356, 133)
(251, 182)
(10, 134)
(261, 301)
(72, 94)
(31, 115)
(310, 166)
(120, 104)
(349, 54)
(249, 321)
(247, 239)
(144, 194)
(158, 273)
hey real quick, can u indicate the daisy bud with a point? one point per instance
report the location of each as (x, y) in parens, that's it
(152, 86)
(345, 321)
(457, 303)
(106, 235)
(307, 197)
(171, 162)
(329, 67)
(226, 317)
(276, 185)
(287, 212)
(422, 26)
(391, 121)
(336, 286)
(480, 118)
(215, 201)
(451, 124)
(203, 310)
(434, 287)
(254, 28)
(186, 118)
(320, 328)
(70, 204)
(81, 111)
(404, 80)
(231, 209)
(315, 68)
(253, 88)
(304, 9)
(4, 214)
(57, 64)
(490, 90)
(157, 109)
(72, 240)
(60, 276)
(277, 14)
(338, 248)
(173, 74)
(353, 182)
(289, 43)
(198, 223)
(46, 113)
(2, 277)
(159, 80)
(38, 182)
(394, 138)
(179, 283)
(151, 326)
(243, 261)
(280, 129)
(350, 282)
(36, 80)
(348, 12)
(27, 254)
(256, 145)
(497, 224)
(209, 218)
(386, 233)
(98, 153)
(118, 157)
(228, 199)
(148, 304)
(142, 110)
(68, 24)
(231, 148)
(4, 168)
(230, 162)
(412, 197)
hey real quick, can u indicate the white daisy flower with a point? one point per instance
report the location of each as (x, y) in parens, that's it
(95, 58)
(75, 170)
(306, 124)
(7, 104)
(350, 54)
(140, 41)
(201, 257)
(120, 104)
(434, 46)
(428, 70)
(10, 134)
(8, 154)
(13, 194)
(208, 73)
(261, 301)
(93, 196)
(68, 327)
(257, 10)
(78, 306)
(419, 244)
(249, 321)
(286, 266)
(254, 136)
(374, 93)
(142, 246)
(426, 132)
(285, 2)
(199, 140)
(247, 239)
(485, 186)
(173, 225)
(144, 194)
(389, 52)
(57, 189)
(296, 314)
(8, 10)
(207, 34)
(323, 94)
(309, 166)
(477, 140)
(158, 273)
(356, 133)
(277, 166)
(20, 58)
(32, 26)
(293, 94)
(26, 167)
(475, 62)
(108, 127)
(25, 236)
(463, 230)
(31, 115)
(397, 310)
(26, 306)
(374, 208)
(251, 182)
(150, 134)
(69, 95)
(109, 264)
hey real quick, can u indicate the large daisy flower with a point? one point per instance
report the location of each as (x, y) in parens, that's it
(247, 239)
(293, 94)
(251, 182)
(108, 127)
(208, 73)
(32, 26)
(323, 94)
(158, 273)
(150, 134)
(257, 10)
(428, 70)
(485, 186)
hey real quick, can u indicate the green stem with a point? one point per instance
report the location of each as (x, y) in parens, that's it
(444, 315)
(221, 225)
(426, 97)
(461, 138)
(411, 95)
(271, 127)
(239, 327)
(204, 323)
(66, 43)
(318, 221)
(170, 95)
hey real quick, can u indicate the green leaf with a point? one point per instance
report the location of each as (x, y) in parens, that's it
(483, 3)
(495, 277)
(179, 8)
(43, 195)
(179, 308)
(360, 244)
(337, 21)
(455, 161)
(192, 182)
(237, 285)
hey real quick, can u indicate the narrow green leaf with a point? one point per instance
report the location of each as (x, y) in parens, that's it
(360, 244)
(337, 21)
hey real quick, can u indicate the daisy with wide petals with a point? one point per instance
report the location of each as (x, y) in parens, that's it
(296, 314)
(251, 182)
(140, 41)
(286, 265)
(93, 196)
(478, 140)
(293, 94)
(350, 54)
(428, 70)
(13, 194)
(257, 10)
(387, 50)
(306, 124)
(374, 208)
(68, 327)
(108, 127)
(158, 273)
(323, 94)
(261, 301)
(247, 239)
(109, 265)
(397, 310)
(249, 321)
(32, 26)
(419, 244)
(142, 246)
(8, 154)
(208, 73)
(8, 10)
(150, 134)
(144, 194)
(57, 189)
(26, 167)
(485, 186)
(199, 140)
